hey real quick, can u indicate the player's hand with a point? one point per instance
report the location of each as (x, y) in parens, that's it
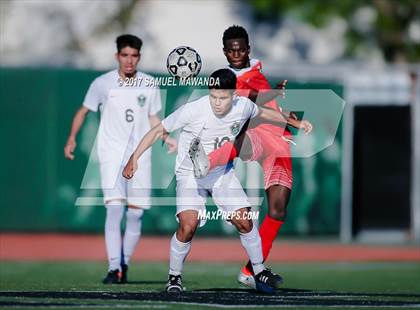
(306, 126)
(293, 115)
(130, 168)
(69, 148)
(281, 86)
(171, 144)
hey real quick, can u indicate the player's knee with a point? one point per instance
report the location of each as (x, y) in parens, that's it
(243, 147)
(278, 212)
(134, 214)
(114, 214)
(278, 205)
(186, 232)
(243, 226)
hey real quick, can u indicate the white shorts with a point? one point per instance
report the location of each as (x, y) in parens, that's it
(224, 188)
(135, 191)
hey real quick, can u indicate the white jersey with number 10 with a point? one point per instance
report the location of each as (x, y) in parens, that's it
(196, 119)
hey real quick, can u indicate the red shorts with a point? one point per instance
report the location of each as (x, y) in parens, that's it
(273, 153)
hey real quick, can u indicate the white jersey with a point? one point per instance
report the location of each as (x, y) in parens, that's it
(197, 119)
(125, 114)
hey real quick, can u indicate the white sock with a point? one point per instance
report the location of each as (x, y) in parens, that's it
(178, 253)
(114, 214)
(251, 241)
(132, 232)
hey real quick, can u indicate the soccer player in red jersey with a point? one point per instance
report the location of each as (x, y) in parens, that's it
(266, 143)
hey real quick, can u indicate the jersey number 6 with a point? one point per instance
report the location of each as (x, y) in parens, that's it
(129, 115)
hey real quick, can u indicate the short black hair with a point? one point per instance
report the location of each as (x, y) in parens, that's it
(130, 40)
(235, 32)
(225, 79)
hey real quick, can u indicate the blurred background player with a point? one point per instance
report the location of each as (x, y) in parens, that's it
(128, 110)
(216, 117)
(266, 143)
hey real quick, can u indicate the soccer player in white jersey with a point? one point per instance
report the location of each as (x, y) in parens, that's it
(128, 110)
(207, 123)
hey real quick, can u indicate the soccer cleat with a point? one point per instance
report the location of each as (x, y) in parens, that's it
(199, 159)
(174, 284)
(124, 270)
(113, 277)
(247, 280)
(278, 280)
(267, 281)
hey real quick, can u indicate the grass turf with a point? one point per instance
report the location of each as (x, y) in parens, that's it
(305, 285)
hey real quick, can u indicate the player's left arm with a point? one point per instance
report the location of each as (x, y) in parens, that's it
(260, 98)
(270, 115)
(170, 142)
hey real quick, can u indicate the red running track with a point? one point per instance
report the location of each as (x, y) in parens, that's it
(64, 247)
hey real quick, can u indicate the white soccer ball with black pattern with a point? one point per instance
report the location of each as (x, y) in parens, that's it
(183, 62)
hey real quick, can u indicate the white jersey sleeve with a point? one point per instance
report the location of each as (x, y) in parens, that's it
(178, 119)
(155, 102)
(251, 110)
(93, 96)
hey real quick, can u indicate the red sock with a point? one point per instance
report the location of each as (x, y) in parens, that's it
(268, 232)
(222, 155)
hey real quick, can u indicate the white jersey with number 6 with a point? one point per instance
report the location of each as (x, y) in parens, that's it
(196, 119)
(125, 112)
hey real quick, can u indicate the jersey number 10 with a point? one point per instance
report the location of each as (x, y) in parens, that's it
(218, 143)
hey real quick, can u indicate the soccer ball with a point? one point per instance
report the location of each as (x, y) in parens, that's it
(183, 62)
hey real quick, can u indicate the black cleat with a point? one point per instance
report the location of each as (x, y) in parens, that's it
(174, 284)
(278, 280)
(124, 271)
(267, 281)
(113, 277)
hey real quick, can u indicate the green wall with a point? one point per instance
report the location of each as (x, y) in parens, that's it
(40, 187)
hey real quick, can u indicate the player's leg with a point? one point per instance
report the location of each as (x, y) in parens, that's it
(131, 238)
(114, 198)
(250, 239)
(180, 247)
(132, 232)
(278, 198)
(241, 147)
(228, 195)
(114, 213)
(189, 200)
(278, 184)
(138, 200)
(264, 279)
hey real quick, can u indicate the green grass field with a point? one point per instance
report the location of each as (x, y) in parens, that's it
(307, 286)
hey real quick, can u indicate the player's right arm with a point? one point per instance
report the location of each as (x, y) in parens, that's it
(148, 140)
(91, 103)
(76, 124)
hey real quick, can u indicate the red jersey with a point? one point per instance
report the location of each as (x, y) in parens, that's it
(252, 78)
